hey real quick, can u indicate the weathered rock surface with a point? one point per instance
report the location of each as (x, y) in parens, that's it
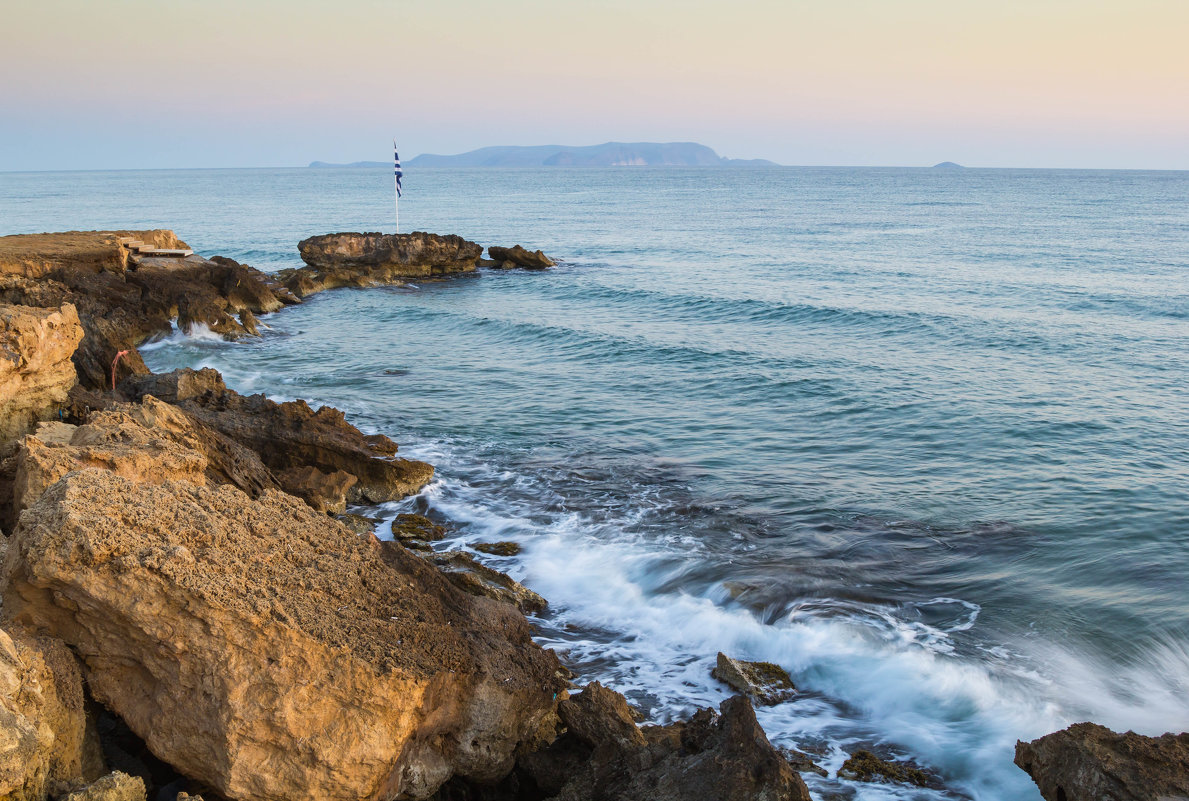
(864, 766)
(263, 648)
(123, 300)
(764, 682)
(371, 259)
(115, 786)
(1088, 762)
(519, 257)
(292, 436)
(36, 371)
(604, 756)
(410, 527)
(45, 744)
(479, 579)
(498, 548)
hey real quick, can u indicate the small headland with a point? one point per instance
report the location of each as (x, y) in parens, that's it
(186, 608)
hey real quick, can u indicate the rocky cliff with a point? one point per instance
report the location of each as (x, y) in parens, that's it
(36, 371)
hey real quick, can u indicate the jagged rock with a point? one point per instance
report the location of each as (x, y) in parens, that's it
(603, 756)
(123, 300)
(290, 435)
(802, 762)
(864, 766)
(765, 682)
(36, 372)
(498, 548)
(477, 579)
(519, 257)
(45, 743)
(115, 786)
(354, 259)
(1088, 762)
(326, 492)
(261, 647)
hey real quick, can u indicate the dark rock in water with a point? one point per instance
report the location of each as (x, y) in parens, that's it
(1088, 762)
(802, 762)
(765, 682)
(864, 766)
(477, 579)
(372, 259)
(291, 435)
(604, 756)
(416, 527)
(519, 257)
(498, 548)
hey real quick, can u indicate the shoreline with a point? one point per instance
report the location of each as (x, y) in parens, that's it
(187, 429)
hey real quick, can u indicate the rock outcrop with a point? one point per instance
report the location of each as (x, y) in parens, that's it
(517, 256)
(477, 579)
(115, 786)
(371, 259)
(864, 766)
(763, 682)
(604, 756)
(261, 647)
(291, 437)
(45, 743)
(1088, 762)
(123, 300)
(36, 371)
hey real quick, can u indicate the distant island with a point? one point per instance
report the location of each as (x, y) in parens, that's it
(609, 154)
(948, 165)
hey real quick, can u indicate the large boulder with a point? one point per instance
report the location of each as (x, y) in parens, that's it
(263, 648)
(1088, 762)
(36, 372)
(292, 437)
(354, 259)
(518, 256)
(45, 743)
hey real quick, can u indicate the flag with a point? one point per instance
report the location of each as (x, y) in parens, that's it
(396, 158)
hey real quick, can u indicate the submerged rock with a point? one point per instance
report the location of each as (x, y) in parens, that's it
(1088, 762)
(498, 548)
(765, 682)
(414, 527)
(261, 647)
(519, 257)
(864, 766)
(371, 259)
(36, 371)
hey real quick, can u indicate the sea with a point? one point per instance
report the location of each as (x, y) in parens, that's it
(919, 436)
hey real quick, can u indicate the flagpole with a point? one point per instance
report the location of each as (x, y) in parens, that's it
(396, 183)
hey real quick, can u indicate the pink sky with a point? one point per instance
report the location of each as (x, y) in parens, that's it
(189, 83)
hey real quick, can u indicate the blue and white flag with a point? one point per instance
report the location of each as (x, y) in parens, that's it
(399, 174)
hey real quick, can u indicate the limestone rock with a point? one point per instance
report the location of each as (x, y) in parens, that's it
(36, 255)
(498, 548)
(478, 579)
(261, 647)
(44, 739)
(326, 492)
(36, 371)
(406, 527)
(290, 435)
(115, 786)
(1088, 762)
(763, 681)
(520, 257)
(864, 766)
(354, 259)
(603, 756)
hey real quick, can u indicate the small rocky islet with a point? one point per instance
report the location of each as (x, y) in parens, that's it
(186, 607)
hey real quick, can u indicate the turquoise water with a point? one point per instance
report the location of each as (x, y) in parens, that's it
(919, 436)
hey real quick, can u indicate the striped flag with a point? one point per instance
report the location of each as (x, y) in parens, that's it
(399, 174)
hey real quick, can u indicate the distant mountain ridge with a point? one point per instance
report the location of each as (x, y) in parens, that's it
(609, 154)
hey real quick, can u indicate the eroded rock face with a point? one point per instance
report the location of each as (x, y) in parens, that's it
(291, 435)
(115, 786)
(1088, 762)
(354, 259)
(36, 371)
(604, 756)
(122, 300)
(261, 647)
(520, 257)
(45, 745)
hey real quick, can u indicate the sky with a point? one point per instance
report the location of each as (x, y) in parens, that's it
(132, 84)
